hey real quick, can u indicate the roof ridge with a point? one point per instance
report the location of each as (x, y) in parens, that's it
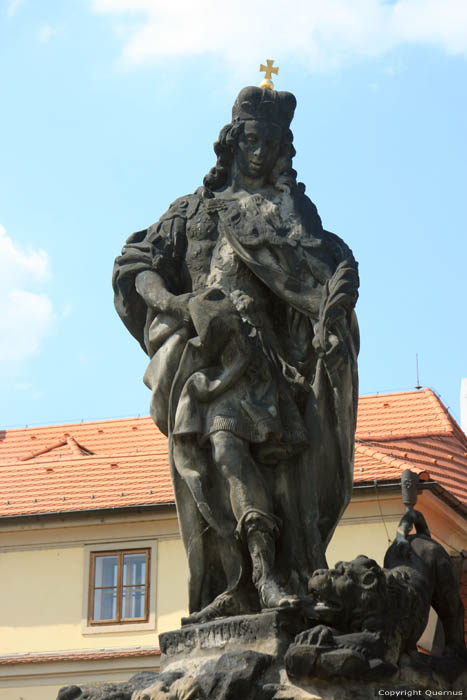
(388, 459)
(75, 448)
(430, 451)
(415, 440)
(77, 423)
(453, 424)
(441, 409)
(396, 435)
(376, 395)
(44, 450)
(74, 457)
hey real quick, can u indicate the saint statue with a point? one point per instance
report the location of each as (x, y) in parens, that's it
(244, 305)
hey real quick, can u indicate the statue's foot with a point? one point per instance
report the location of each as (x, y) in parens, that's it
(274, 596)
(225, 605)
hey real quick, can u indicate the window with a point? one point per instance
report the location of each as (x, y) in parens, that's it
(119, 586)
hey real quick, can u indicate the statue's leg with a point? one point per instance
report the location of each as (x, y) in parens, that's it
(226, 561)
(252, 508)
(247, 488)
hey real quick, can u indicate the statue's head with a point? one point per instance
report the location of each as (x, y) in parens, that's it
(258, 140)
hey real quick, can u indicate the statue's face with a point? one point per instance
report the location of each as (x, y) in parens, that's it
(258, 149)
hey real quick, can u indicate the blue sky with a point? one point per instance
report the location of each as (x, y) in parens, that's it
(109, 110)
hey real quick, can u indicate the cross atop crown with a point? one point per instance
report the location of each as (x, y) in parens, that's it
(268, 70)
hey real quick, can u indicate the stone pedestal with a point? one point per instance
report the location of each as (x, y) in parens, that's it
(270, 632)
(242, 658)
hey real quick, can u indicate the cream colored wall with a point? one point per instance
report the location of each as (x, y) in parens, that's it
(31, 692)
(43, 681)
(172, 585)
(40, 594)
(368, 525)
(42, 588)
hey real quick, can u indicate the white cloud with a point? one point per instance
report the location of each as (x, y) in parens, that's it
(47, 31)
(12, 7)
(439, 22)
(21, 265)
(22, 386)
(25, 316)
(67, 310)
(317, 33)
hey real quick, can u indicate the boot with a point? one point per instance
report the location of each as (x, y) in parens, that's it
(262, 548)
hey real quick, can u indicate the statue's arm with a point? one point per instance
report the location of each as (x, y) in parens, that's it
(153, 290)
(336, 331)
(155, 254)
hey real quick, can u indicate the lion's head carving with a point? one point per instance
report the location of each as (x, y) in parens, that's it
(363, 617)
(360, 596)
(351, 595)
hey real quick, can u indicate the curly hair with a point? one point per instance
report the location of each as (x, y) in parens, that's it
(282, 175)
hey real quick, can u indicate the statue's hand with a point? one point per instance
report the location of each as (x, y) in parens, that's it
(333, 353)
(242, 301)
(178, 305)
(321, 635)
(152, 288)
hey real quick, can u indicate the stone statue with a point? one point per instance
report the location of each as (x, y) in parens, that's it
(245, 307)
(244, 304)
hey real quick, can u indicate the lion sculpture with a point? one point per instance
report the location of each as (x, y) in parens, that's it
(367, 616)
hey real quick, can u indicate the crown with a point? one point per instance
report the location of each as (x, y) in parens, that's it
(264, 104)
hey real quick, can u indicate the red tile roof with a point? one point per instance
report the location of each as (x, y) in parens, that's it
(114, 463)
(83, 466)
(410, 430)
(405, 414)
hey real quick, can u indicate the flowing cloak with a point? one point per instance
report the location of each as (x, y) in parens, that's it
(198, 370)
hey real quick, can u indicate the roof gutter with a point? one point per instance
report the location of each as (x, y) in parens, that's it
(445, 496)
(394, 486)
(117, 510)
(432, 486)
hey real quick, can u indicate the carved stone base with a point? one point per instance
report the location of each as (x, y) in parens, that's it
(269, 633)
(242, 658)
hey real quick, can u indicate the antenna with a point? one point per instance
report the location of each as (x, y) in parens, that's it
(418, 385)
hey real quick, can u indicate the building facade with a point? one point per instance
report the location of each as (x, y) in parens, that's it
(93, 568)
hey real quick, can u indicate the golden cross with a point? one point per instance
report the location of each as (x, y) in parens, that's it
(268, 70)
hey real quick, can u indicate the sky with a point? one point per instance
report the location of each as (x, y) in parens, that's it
(108, 112)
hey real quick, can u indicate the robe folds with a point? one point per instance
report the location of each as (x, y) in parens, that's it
(270, 355)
